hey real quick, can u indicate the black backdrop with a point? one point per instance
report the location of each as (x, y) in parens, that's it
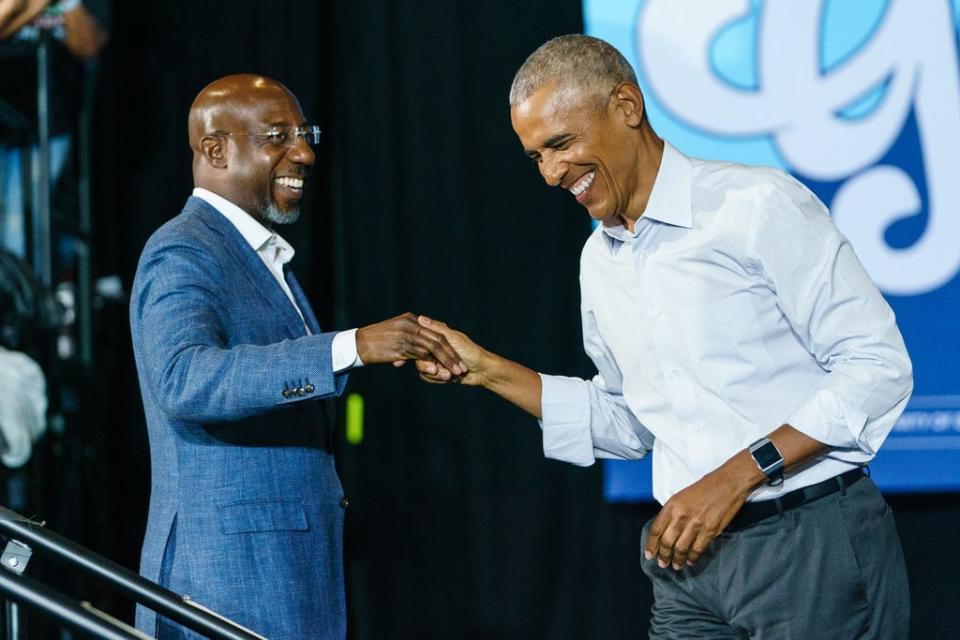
(422, 201)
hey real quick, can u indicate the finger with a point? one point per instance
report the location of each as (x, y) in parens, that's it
(432, 380)
(653, 538)
(435, 370)
(667, 543)
(399, 363)
(699, 547)
(682, 547)
(442, 331)
(426, 367)
(440, 349)
(432, 324)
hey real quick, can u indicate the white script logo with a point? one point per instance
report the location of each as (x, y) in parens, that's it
(909, 60)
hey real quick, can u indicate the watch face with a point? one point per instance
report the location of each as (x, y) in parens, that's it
(767, 456)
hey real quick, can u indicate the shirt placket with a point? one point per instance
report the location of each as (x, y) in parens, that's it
(663, 342)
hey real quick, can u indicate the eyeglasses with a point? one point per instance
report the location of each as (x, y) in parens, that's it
(284, 136)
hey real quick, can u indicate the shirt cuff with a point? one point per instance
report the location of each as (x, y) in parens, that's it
(830, 419)
(565, 403)
(343, 351)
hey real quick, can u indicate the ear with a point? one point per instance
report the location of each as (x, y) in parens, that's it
(628, 102)
(213, 150)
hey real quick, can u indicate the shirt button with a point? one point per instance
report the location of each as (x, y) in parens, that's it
(344, 502)
(675, 372)
(656, 313)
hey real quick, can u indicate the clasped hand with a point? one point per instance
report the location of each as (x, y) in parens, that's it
(468, 351)
(404, 338)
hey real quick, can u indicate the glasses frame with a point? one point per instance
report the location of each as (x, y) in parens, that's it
(309, 133)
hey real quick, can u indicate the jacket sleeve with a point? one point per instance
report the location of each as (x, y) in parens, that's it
(178, 323)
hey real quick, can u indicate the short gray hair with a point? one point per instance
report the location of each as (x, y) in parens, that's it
(582, 63)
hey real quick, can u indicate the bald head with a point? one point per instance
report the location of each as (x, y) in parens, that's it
(225, 102)
(237, 152)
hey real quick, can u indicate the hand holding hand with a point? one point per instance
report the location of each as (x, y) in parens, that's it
(472, 355)
(403, 338)
(508, 379)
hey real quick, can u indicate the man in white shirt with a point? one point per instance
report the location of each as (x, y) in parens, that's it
(246, 509)
(736, 336)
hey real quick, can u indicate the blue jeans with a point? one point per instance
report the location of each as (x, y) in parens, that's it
(13, 233)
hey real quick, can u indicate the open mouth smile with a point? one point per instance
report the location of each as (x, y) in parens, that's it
(295, 184)
(581, 187)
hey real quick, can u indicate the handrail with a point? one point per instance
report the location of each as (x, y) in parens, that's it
(38, 596)
(122, 580)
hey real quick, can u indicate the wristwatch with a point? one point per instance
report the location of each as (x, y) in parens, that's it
(768, 458)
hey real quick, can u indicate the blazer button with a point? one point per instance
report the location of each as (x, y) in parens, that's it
(286, 393)
(309, 388)
(301, 391)
(344, 502)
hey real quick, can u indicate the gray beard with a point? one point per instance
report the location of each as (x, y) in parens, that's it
(273, 213)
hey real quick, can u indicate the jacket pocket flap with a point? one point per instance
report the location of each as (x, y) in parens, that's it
(251, 517)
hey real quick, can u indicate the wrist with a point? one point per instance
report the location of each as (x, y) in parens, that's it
(743, 472)
(489, 369)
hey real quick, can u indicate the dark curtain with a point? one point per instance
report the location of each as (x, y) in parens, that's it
(422, 201)
(458, 527)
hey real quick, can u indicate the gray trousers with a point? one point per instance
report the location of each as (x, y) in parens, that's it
(829, 569)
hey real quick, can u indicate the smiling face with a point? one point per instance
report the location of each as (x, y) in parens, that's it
(594, 152)
(268, 172)
(241, 133)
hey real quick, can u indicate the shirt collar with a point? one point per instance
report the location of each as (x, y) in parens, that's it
(257, 236)
(669, 201)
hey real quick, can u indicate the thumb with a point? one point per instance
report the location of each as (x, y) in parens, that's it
(399, 363)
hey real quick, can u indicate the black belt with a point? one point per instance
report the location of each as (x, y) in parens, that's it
(753, 512)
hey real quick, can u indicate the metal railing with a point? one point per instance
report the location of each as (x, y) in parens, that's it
(27, 537)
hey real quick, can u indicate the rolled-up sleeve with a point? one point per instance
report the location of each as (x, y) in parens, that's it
(839, 315)
(584, 420)
(582, 423)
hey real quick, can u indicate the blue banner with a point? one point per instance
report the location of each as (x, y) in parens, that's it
(860, 99)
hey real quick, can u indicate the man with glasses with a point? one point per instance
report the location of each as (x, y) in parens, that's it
(246, 510)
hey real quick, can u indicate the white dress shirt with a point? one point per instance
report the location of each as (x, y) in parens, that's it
(275, 253)
(736, 306)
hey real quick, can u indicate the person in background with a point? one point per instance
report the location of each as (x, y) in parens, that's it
(737, 337)
(80, 31)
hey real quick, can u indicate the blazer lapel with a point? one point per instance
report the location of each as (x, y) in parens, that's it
(302, 302)
(258, 273)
